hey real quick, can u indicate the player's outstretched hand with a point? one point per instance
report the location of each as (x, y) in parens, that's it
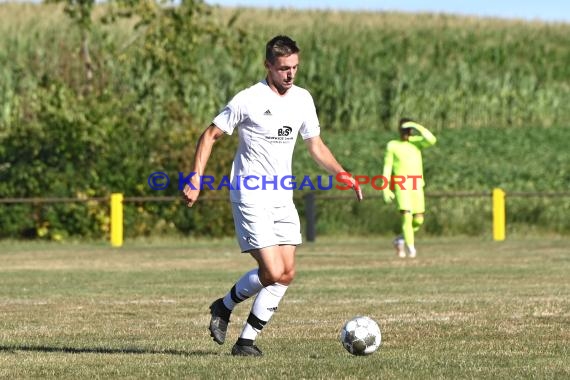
(388, 195)
(356, 187)
(190, 195)
(358, 192)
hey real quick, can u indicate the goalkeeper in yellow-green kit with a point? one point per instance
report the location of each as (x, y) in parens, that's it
(403, 167)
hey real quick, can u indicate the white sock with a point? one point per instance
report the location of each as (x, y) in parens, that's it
(399, 241)
(247, 286)
(263, 308)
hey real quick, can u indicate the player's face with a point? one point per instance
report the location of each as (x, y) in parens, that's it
(281, 73)
(406, 133)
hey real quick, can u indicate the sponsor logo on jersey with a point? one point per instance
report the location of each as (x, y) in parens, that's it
(285, 131)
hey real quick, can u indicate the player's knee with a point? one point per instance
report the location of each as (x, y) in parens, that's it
(268, 277)
(287, 277)
(418, 221)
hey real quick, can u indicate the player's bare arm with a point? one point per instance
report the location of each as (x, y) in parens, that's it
(324, 157)
(203, 151)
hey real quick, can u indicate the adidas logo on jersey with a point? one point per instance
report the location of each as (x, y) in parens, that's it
(267, 113)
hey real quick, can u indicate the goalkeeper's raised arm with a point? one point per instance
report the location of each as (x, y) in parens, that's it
(425, 138)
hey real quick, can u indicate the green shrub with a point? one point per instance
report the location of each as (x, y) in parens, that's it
(495, 93)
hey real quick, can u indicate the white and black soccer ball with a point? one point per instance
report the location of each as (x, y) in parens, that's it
(361, 335)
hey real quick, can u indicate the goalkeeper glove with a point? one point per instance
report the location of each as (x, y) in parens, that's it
(388, 195)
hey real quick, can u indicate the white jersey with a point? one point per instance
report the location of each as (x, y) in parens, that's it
(267, 125)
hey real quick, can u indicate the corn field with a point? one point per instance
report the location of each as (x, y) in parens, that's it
(364, 69)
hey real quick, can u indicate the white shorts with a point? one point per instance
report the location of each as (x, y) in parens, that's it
(260, 226)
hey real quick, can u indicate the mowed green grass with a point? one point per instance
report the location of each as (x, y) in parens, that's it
(465, 308)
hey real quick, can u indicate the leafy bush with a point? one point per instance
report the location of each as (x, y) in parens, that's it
(495, 92)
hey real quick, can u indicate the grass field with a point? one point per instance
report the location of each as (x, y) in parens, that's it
(465, 308)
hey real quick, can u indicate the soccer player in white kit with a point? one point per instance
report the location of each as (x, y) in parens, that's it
(267, 116)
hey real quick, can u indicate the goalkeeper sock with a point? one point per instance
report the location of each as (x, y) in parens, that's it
(408, 229)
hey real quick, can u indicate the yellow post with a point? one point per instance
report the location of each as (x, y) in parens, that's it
(116, 219)
(499, 220)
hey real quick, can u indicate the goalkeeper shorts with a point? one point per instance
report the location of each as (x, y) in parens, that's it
(410, 200)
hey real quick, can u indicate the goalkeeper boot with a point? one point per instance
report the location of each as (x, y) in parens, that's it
(399, 246)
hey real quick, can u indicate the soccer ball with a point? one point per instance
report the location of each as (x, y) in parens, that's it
(361, 336)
